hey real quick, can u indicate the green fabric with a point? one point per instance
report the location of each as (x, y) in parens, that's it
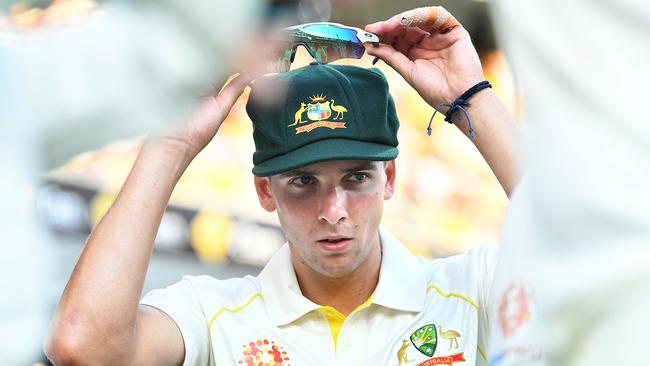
(324, 112)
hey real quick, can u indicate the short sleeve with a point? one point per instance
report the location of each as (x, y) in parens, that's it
(484, 259)
(181, 303)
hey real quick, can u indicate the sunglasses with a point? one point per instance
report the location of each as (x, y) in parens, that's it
(325, 42)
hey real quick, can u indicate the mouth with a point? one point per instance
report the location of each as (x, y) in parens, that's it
(335, 243)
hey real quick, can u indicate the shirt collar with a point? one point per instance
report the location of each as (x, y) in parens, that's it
(280, 289)
(402, 283)
(402, 279)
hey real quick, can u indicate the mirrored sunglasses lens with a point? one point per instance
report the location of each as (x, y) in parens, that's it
(327, 51)
(329, 31)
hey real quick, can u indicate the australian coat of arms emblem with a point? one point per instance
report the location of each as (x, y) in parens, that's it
(318, 112)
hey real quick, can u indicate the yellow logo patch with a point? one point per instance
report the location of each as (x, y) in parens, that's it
(319, 110)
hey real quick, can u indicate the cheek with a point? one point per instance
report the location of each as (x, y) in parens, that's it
(295, 206)
(367, 205)
(295, 215)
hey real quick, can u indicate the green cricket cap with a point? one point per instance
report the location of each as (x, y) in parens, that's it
(324, 113)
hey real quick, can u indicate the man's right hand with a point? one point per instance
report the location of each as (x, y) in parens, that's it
(189, 138)
(98, 320)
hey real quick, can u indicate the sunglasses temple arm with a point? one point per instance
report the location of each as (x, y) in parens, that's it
(374, 60)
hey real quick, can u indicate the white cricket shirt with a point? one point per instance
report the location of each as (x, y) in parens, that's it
(423, 312)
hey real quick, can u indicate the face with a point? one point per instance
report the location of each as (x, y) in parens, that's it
(330, 212)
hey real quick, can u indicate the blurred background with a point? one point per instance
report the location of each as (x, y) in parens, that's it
(447, 199)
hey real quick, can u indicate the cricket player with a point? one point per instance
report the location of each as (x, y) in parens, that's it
(342, 290)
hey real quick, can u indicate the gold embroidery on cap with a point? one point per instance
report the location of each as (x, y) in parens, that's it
(338, 109)
(297, 118)
(319, 110)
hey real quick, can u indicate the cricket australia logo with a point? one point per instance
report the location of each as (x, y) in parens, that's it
(425, 339)
(319, 110)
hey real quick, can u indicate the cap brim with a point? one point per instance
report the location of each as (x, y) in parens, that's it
(325, 150)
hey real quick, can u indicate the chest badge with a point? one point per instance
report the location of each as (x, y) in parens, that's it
(514, 308)
(263, 352)
(425, 339)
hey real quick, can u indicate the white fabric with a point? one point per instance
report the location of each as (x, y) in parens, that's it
(121, 73)
(515, 337)
(411, 293)
(585, 211)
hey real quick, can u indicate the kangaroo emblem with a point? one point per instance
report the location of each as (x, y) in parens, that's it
(297, 118)
(402, 357)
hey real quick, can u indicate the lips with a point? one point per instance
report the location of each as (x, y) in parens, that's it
(335, 243)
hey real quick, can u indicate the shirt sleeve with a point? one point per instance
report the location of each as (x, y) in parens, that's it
(484, 259)
(181, 303)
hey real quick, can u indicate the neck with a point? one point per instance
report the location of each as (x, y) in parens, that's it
(343, 293)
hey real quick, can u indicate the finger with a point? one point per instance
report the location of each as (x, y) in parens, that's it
(415, 35)
(388, 40)
(409, 39)
(402, 45)
(218, 85)
(374, 27)
(231, 92)
(393, 58)
(430, 19)
(435, 18)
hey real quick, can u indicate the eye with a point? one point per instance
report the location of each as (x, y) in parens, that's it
(303, 180)
(359, 177)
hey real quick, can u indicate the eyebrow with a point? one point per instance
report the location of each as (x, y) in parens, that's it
(296, 172)
(366, 165)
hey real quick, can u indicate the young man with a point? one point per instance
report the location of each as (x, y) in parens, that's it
(342, 290)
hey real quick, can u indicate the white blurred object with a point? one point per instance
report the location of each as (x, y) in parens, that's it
(314, 11)
(584, 215)
(84, 83)
(125, 70)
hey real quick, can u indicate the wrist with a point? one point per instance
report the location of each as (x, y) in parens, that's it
(480, 104)
(167, 155)
(457, 112)
(484, 96)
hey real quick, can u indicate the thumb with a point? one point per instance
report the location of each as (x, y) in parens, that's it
(395, 59)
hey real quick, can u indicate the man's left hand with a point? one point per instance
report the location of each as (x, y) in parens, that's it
(431, 50)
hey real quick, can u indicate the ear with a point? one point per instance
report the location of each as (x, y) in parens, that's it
(264, 194)
(389, 188)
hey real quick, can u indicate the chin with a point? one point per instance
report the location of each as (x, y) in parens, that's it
(336, 271)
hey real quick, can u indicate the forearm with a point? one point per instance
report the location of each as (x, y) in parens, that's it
(98, 309)
(497, 137)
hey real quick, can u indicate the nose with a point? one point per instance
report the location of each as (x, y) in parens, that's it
(333, 206)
